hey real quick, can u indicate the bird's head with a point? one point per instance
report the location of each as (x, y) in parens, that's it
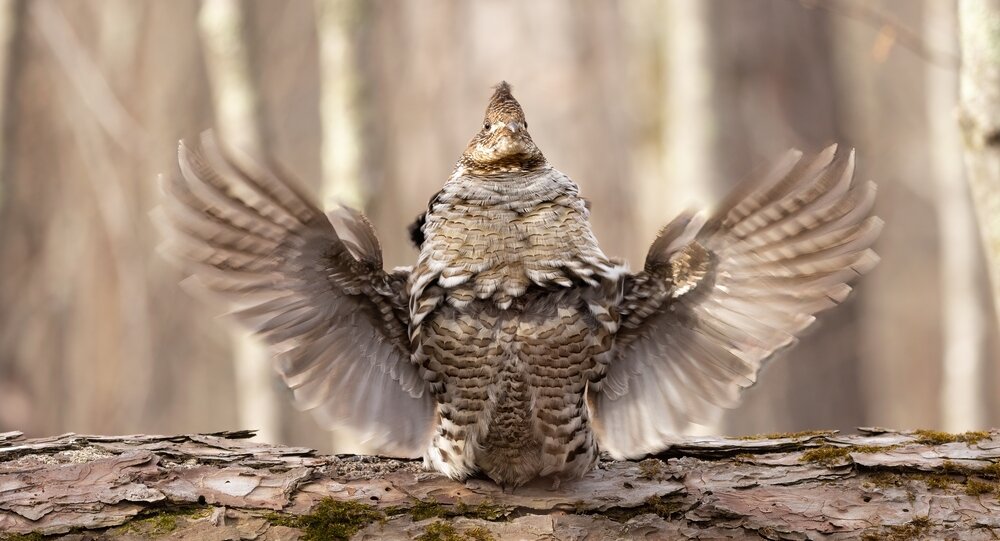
(503, 144)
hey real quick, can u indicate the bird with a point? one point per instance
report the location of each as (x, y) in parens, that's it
(514, 348)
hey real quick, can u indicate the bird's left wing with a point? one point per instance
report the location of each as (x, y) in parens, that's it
(721, 293)
(311, 285)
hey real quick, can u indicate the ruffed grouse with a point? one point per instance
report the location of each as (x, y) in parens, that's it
(515, 347)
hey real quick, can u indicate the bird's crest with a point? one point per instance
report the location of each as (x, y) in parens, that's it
(503, 106)
(503, 145)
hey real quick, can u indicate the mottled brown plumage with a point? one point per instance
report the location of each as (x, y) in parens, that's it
(515, 347)
(512, 308)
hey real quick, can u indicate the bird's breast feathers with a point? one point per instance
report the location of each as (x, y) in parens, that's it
(494, 238)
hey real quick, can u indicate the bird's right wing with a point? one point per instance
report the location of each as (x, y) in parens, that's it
(312, 286)
(719, 295)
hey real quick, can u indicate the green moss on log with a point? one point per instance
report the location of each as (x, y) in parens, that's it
(934, 437)
(915, 529)
(788, 435)
(330, 519)
(443, 531)
(827, 455)
(160, 521)
(22, 537)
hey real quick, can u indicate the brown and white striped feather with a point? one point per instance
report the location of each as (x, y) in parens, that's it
(312, 286)
(720, 295)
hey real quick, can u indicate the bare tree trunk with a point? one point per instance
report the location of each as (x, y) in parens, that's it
(670, 85)
(14, 404)
(10, 14)
(979, 21)
(963, 405)
(223, 27)
(337, 27)
(647, 85)
(880, 485)
(687, 116)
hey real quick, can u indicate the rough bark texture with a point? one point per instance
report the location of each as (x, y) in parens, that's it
(876, 485)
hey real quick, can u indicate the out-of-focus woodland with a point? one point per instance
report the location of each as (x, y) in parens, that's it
(650, 106)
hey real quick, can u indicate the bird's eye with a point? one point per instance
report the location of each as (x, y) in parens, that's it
(525, 124)
(486, 125)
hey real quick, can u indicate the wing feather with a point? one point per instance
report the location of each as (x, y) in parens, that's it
(311, 285)
(720, 294)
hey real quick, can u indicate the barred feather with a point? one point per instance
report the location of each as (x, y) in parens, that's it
(715, 301)
(311, 285)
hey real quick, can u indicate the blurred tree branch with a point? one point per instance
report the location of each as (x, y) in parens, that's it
(104, 119)
(891, 29)
(86, 77)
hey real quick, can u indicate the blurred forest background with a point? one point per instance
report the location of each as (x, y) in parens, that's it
(650, 106)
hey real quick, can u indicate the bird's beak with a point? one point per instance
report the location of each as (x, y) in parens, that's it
(513, 127)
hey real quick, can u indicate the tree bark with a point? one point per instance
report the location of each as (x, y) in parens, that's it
(877, 485)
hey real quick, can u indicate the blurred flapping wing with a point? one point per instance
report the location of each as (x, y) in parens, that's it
(721, 294)
(312, 286)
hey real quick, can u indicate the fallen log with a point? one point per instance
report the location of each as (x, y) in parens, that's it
(878, 484)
